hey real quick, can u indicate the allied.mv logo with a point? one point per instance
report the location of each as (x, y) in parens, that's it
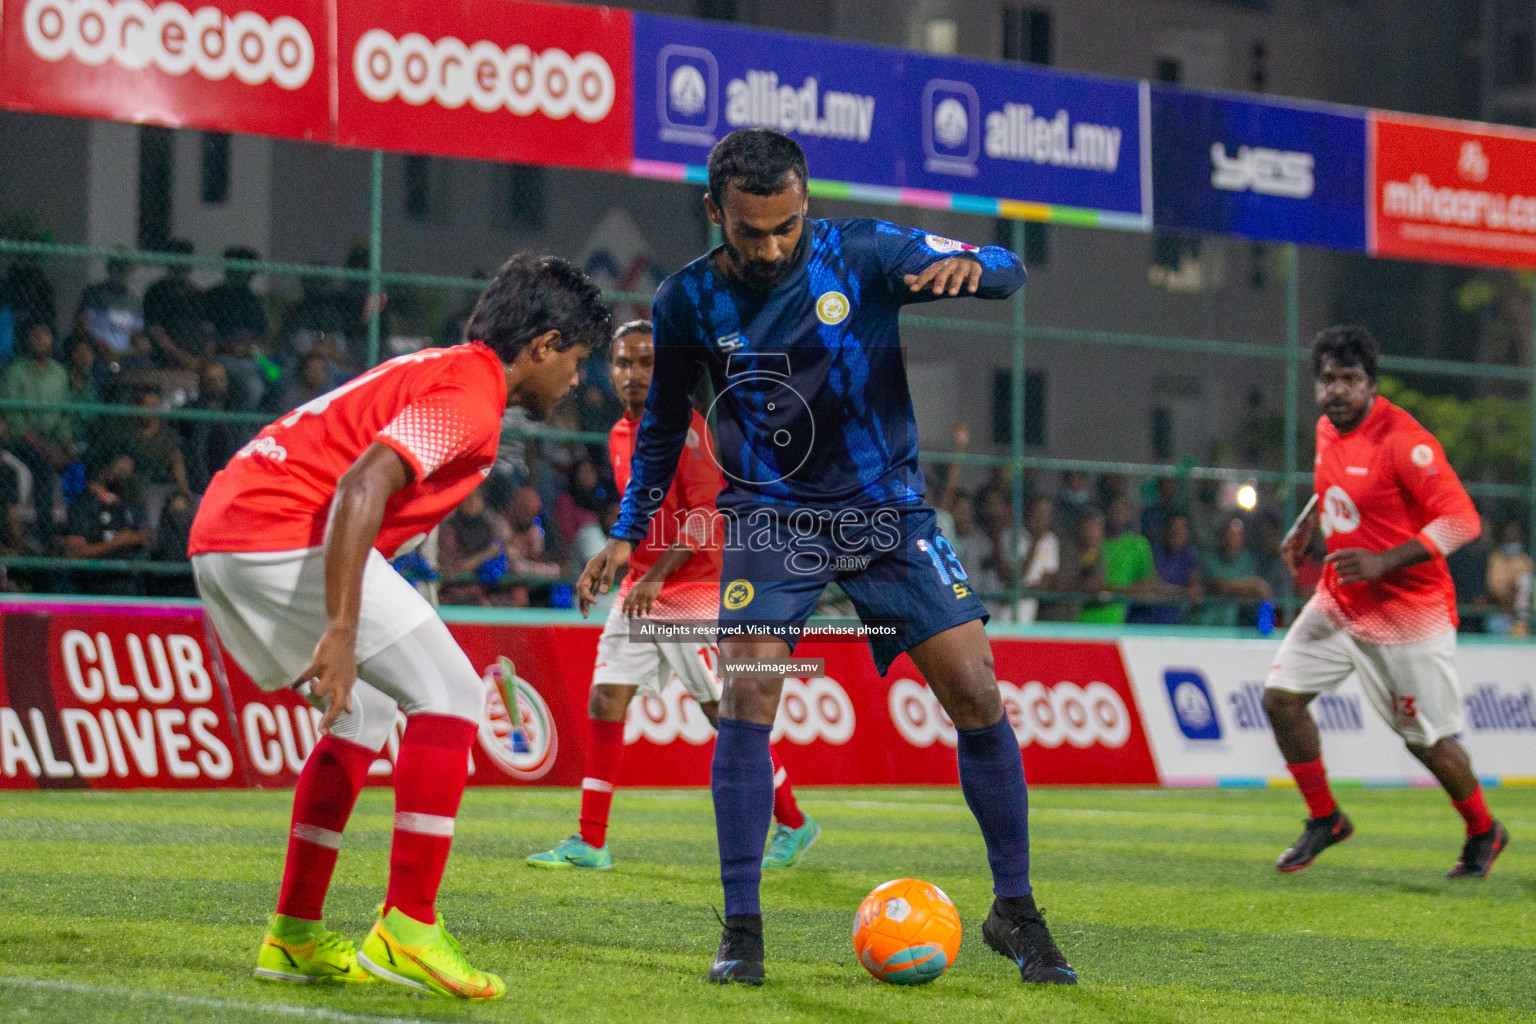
(687, 87)
(951, 128)
(832, 308)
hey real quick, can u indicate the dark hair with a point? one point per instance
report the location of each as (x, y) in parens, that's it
(1347, 346)
(532, 294)
(755, 160)
(624, 330)
(31, 324)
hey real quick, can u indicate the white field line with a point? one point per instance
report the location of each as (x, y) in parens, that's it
(311, 1012)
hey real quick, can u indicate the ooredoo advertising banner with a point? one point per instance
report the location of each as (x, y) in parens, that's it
(1264, 170)
(1202, 704)
(488, 79)
(1452, 191)
(260, 66)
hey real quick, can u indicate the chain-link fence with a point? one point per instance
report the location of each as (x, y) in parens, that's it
(1157, 386)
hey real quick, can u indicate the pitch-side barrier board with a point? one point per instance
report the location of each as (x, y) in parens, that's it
(124, 696)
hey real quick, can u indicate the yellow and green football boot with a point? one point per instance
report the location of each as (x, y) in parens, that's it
(425, 956)
(306, 952)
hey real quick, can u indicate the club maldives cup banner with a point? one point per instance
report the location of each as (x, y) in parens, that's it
(1264, 170)
(487, 79)
(260, 66)
(136, 697)
(1452, 192)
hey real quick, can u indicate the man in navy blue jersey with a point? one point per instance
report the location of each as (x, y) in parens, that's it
(795, 322)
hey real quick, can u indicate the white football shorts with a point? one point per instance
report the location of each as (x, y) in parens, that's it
(650, 664)
(1414, 687)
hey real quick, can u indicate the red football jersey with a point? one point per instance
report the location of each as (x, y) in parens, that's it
(440, 409)
(687, 515)
(1382, 484)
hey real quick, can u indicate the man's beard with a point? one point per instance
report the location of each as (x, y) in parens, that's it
(764, 275)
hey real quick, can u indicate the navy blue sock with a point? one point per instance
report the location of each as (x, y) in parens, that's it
(741, 781)
(992, 779)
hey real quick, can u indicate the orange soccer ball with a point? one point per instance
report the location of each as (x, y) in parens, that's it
(907, 932)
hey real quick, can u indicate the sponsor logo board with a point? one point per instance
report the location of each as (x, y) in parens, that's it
(1269, 170)
(258, 66)
(490, 79)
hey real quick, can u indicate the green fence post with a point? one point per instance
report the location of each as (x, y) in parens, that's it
(1530, 530)
(375, 255)
(1016, 427)
(1292, 399)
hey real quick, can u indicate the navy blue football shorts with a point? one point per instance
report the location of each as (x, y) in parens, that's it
(897, 568)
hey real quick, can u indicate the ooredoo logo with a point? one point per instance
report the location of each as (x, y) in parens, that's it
(813, 709)
(452, 73)
(1080, 716)
(675, 715)
(518, 732)
(209, 42)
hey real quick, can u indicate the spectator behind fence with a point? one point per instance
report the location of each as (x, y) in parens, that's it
(1082, 570)
(472, 544)
(174, 304)
(1128, 566)
(88, 378)
(111, 310)
(102, 524)
(1178, 572)
(26, 295)
(239, 327)
(1468, 565)
(526, 554)
(1166, 505)
(1231, 576)
(1039, 555)
(592, 536)
(208, 445)
(309, 379)
(171, 537)
(318, 323)
(1072, 500)
(149, 441)
(43, 440)
(581, 502)
(1271, 565)
(1509, 583)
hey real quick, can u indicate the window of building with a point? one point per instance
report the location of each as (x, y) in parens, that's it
(718, 10)
(1162, 433)
(214, 184)
(521, 198)
(418, 187)
(154, 186)
(1027, 34)
(1034, 407)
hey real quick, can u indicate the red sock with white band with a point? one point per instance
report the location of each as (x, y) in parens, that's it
(322, 802)
(605, 750)
(429, 783)
(785, 810)
(1474, 812)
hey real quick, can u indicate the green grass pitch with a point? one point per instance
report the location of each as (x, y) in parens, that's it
(149, 907)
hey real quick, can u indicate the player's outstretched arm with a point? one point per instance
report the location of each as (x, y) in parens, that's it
(357, 512)
(922, 267)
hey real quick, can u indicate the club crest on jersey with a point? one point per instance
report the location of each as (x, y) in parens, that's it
(738, 594)
(1340, 514)
(1423, 456)
(939, 243)
(832, 308)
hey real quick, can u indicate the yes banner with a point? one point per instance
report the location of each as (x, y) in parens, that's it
(1452, 191)
(487, 79)
(1267, 170)
(260, 66)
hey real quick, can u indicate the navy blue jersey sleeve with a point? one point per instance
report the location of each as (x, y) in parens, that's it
(664, 424)
(904, 251)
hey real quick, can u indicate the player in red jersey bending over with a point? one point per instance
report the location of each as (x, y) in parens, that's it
(673, 575)
(289, 550)
(1391, 509)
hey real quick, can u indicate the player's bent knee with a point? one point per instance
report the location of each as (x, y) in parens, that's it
(609, 702)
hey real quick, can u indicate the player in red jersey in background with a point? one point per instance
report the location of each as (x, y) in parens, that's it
(674, 575)
(1391, 509)
(289, 551)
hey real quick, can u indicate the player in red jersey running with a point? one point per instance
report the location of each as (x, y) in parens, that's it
(673, 575)
(1391, 509)
(289, 552)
